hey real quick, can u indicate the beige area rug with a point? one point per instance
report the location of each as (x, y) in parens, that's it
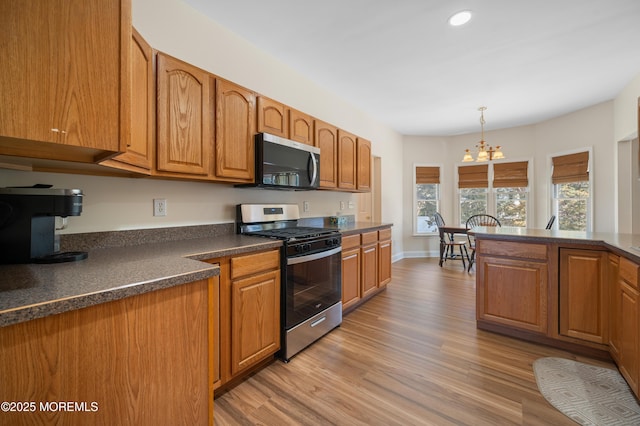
(587, 394)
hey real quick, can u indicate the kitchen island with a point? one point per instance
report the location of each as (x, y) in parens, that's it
(574, 290)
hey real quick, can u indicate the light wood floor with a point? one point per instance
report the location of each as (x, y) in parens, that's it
(410, 356)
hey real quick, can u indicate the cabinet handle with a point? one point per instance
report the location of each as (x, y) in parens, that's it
(370, 250)
(313, 324)
(350, 256)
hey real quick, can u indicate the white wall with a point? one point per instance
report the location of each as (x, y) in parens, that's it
(173, 27)
(589, 127)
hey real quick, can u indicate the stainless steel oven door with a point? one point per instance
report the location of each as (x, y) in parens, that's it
(313, 283)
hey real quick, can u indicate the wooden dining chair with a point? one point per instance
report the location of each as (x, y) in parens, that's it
(448, 244)
(478, 220)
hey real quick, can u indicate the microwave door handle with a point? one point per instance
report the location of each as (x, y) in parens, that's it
(314, 172)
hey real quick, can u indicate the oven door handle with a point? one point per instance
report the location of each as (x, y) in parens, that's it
(315, 256)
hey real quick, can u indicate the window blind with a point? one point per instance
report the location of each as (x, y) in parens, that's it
(427, 175)
(473, 176)
(510, 175)
(570, 168)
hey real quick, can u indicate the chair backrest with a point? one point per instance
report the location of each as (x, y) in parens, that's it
(482, 220)
(550, 223)
(439, 220)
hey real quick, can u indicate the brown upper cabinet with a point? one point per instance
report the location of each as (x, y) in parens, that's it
(139, 152)
(272, 117)
(301, 127)
(326, 138)
(184, 119)
(54, 107)
(235, 130)
(363, 162)
(347, 152)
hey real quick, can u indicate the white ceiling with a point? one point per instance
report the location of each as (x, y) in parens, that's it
(400, 61)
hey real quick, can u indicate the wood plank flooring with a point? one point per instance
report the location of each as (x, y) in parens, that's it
(410, 356)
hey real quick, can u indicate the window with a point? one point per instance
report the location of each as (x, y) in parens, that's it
(505, 196)
(511, 182)
(572, 192)
(473, 183)
(426, 196)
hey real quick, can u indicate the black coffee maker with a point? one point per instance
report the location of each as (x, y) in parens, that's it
(27, 223)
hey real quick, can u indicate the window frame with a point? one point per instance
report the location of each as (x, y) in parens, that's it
(438, 200)
(553, 201)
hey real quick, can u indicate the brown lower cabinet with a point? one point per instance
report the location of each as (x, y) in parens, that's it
(139, 360)
(512, 285)
(584, 298)
(366, 266)
(629, 351)
(249, 314)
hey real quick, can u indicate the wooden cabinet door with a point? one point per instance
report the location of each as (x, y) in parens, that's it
(369, 268)
(347, 153)
(326, 138)
(584, 296)
(384, 257)
(272, 117)
(301, 127)
(185, 137)
(350, 277)
(255, 314)
(144, 359)
(64, 77)
(629, 356)
(235, 131)
(512, 292)
(363, 162)
(138, 155)
(629, 366)
(615, 318)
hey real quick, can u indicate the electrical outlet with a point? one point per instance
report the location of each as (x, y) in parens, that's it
(305, 206)
(341, 205)
(350, 204)
(159, 207)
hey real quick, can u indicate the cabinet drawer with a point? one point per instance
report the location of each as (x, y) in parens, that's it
(253, 263)
(350, 241)
(369, 237)
(629, 272)
(513, 249)
(384, 234)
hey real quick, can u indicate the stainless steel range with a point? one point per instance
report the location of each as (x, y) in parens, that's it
(311, 272)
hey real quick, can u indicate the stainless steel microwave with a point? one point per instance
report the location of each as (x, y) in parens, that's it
(286, 164)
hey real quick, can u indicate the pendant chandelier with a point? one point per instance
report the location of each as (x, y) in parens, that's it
(485, 152)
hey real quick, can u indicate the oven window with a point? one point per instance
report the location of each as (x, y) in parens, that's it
(312, 287)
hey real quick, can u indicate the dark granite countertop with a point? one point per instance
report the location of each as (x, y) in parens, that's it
(33, 291)
(360, 227)
(627, 245)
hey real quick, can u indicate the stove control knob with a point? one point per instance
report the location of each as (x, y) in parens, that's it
(307, 247)
(332, 242)
(299, 248)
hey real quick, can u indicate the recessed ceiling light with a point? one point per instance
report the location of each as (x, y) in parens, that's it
(460, 18)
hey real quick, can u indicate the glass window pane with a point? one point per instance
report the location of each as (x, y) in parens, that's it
(572, 205)
(427, 199)
(511, 206)
(425, 216)
(472, 201)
